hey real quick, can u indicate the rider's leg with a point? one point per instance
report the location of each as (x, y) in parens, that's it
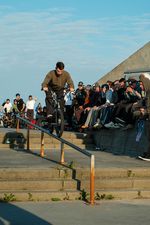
(48, 101)
(60, 96)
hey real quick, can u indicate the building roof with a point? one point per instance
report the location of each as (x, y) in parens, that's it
(140, 60)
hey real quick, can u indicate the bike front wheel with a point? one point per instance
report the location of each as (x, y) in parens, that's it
(59, 128)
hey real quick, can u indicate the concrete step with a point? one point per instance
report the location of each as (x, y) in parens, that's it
(53, 140)
(64, 172)
(43, 185)
(35, 173)
(101, 173)
(14, 140)
(4, 146)
(34, 146)
(117, 184)
(35, 133)
(122, 194)
(38, 195)
(48, 140)
(57, 146)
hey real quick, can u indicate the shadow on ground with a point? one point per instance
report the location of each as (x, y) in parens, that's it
(12, 215)
(16, 140)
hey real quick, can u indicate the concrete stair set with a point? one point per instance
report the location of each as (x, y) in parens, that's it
(68, 183)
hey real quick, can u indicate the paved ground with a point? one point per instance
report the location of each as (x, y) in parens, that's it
(76, 213)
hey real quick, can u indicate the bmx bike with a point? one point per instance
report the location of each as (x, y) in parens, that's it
(56, 123)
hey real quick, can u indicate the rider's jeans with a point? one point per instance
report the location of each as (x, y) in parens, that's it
(49, 101)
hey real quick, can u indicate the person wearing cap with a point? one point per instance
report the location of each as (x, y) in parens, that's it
(80, 84)
(55, 81)
(80, 95)
(79, 99)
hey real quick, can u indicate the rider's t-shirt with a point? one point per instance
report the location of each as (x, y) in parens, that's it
(57, 82)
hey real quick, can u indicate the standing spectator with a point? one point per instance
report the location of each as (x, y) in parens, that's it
(30, 107)
(69, 108)
(20, 103)
(14, 107)
(7, 106)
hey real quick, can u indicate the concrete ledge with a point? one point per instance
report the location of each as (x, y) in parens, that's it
(121, 142)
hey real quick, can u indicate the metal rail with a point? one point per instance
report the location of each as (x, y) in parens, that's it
(62, 158)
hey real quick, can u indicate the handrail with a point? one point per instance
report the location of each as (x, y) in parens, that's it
(63, 141)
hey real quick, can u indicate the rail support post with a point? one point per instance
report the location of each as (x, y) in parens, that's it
(42, 145)
(62, 160)
(28, 138)
(92, 179)
(17, 128)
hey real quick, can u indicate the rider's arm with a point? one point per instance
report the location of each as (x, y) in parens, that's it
(70, 83)
(46, 82)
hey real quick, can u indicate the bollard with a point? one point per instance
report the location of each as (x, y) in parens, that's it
(92, 177)
(62, 154)
(42, 145)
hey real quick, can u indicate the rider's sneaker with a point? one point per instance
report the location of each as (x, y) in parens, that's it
(144, 158)
(49, 116)
(49, 120)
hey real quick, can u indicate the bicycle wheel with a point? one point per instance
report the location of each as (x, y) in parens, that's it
(59, 128)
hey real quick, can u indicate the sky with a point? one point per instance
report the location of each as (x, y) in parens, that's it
(90, 37)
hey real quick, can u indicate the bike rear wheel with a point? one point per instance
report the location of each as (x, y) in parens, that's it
(59, 127)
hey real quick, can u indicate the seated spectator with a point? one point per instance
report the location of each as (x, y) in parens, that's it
(145, 78)
(41, 114)
(96, 121)
(86, 106)
(124, 108)
(95, 102)
(121, 89)
(106, 110)
(111, 94)
(38, 110)
(79, 100)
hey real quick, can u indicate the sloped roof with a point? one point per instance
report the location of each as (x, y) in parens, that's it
(139, 59)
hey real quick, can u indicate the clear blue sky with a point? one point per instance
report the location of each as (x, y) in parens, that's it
(90, 37)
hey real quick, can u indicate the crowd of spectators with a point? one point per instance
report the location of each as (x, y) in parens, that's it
(114, 104)
(9, 110)
(111, 105)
